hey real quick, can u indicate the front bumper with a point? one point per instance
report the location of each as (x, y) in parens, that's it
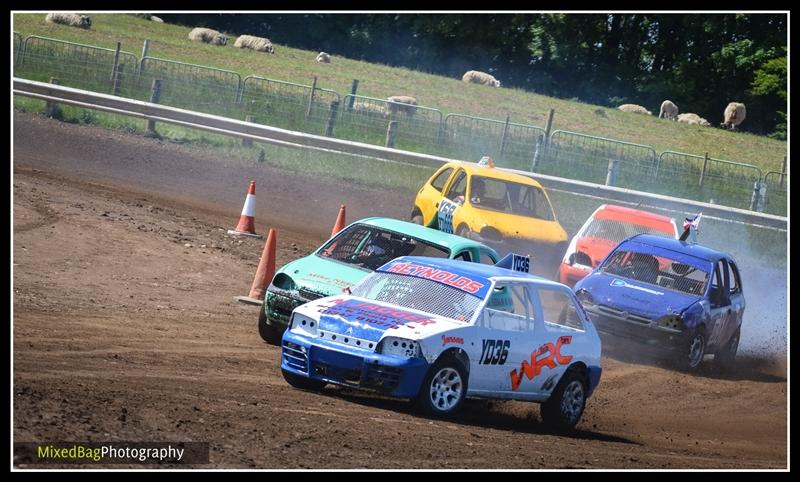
(280, 303)
(351, 367)
(613, 326)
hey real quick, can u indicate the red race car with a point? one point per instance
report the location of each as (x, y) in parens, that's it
(602, 232)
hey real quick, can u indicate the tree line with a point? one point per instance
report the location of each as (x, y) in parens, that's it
(699, 61)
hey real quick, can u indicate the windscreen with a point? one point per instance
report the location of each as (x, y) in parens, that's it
(509, 197)
(370, 247)
(661, 271)
(419, 294)
(616, 231)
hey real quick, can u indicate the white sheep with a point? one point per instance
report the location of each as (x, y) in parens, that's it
(694, 119)
(476, 77)
(156, 19)
(734, 115)
(207, 35)
(401, 104)
(668, 110)
(324, 58)
(637, 109)
(71, 19)
(259, 44)
(370, 109)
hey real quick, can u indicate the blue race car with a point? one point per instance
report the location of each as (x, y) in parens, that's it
(667, 295)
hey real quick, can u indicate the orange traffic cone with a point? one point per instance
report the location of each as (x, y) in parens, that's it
(264, 272)
(246, 226)
(339, 221)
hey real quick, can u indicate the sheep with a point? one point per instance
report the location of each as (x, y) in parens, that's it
(370, 109)
(401, 104)
(734, 115)
(156, 19)
(483, 78)
(634, 108)
(694, 119)
(668, 110)
(324, 58)
(71, 19)
(206, 35)
(259, 44)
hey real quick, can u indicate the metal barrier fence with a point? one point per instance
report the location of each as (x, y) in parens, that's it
(706, 179)
(417, 128)
(75, 65)
(17, 46)
(189, 86)
(367, 119)
(599, 160)
(305, 108)
(776, 200)
(510, 144)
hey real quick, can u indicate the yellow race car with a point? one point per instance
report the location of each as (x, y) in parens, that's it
(507, 211)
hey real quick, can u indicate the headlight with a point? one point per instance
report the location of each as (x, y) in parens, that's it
(400, 347)
(673, 322)
(304, 323)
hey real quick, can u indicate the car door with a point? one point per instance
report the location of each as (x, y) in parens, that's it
(720, 311)
(503, 337)
(737, 300)
(449, 214)
(559, 336)
(431, 192)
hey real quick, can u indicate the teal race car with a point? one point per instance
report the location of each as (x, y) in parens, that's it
(356, 251)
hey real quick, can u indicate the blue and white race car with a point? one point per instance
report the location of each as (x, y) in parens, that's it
(438, 331)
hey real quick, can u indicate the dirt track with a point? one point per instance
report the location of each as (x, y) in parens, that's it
(123, 332)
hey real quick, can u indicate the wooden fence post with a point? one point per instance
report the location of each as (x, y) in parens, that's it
(311, 98)
(51, 109)
(332, 119)
(391, 133)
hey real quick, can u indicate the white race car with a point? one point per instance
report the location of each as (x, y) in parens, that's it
(438, 331)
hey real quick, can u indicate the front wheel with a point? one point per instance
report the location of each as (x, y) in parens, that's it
(269, 333)
(417, 219)
(444, 388)
(303, 383)
(694, 351)
(565, 406)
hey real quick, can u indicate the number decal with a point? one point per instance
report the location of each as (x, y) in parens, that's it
(494, 352)
(445, 215)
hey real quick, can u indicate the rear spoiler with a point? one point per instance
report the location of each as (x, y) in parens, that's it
(515, 262)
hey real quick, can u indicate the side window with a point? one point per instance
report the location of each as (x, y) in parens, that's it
(458, 187)
(440, 180)
(486, 259)
(559, 308)
(463, 256)
(736, 285)
(717, 294)
(509, 309)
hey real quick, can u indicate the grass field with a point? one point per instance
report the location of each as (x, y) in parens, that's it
(447, 94)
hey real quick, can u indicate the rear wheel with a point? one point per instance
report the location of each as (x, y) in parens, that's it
(269, 333)
(565, 406)
(464, 231)
(303, 383)
(444, 388)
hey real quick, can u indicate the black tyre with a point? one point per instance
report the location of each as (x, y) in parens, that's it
(416, 218)
(726, 357)
(301, 382)
(694, 351)
(464, 232)
(444, 388)
(269, 333)
(564, 408)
